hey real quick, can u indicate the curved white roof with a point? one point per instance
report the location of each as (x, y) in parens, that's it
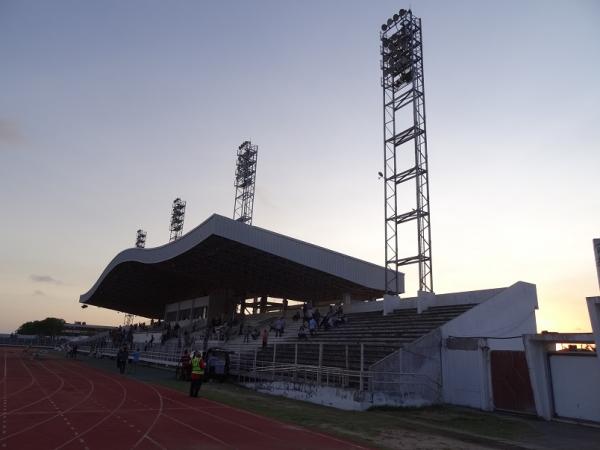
(340, 266)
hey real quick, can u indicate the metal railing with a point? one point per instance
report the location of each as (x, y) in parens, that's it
(301, 363)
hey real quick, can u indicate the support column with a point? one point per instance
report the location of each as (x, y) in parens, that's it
(347, 300)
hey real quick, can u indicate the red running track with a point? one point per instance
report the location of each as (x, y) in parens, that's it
(64, 404)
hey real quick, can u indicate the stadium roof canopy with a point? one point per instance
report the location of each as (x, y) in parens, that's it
(225, 255)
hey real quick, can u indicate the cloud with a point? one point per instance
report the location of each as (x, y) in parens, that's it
(44, 279)
(10, 133)
(38, 292)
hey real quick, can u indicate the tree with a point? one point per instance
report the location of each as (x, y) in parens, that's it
(50, 326)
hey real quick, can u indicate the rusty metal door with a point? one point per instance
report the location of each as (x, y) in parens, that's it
(511, 386)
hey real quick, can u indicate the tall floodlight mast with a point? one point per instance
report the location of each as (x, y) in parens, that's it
(403, 129)
(177, 216)
(140, 240)
(245, 179)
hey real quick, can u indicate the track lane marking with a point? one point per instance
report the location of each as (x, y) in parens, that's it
(60, 413)
(31, 383)
(223, 419)
(198, 431)
(46, 397)
(105, 418)
(147, 433)
(282, 424)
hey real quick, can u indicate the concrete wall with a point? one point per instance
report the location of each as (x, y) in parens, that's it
(347, 399)
(495, 324)
(176, 307)
(576, 386)
(539, 350)
(593, 304)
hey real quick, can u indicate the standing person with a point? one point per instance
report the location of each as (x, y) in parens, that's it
(197, 373)
(265, 337)
(122, 358)
(312, 326)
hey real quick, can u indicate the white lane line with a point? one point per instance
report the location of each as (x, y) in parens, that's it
(156, 443)
(56, 413)
(223, 419)
(46, 396)
(105, 418)
(18, 391)
(198, 431)
(160, 411)
(284, 425)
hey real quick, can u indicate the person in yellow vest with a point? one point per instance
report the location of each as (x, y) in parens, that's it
(198, 366)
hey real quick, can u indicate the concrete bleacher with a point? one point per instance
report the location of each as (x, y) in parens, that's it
(401, 326)
(366, 336)
(341, 346)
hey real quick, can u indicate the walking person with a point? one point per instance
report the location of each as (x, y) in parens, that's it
(198, 366)
(122, 358)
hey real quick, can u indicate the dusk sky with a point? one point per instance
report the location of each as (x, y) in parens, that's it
(111, 109)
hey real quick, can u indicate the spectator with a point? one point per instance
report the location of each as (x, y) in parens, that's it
(317, 315)
(185, 366)
(278, 328)
(247, 335)
(255, 334)
(265, 338)
(312, 326)
(122, 357)
(302, 333)
(296, 316)
(282, 326)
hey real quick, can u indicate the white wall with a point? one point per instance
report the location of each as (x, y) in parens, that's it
(508, 314)
(576, 386)
(462, 378)
(593, 304)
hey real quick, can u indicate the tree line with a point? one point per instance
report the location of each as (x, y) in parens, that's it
(50, 326)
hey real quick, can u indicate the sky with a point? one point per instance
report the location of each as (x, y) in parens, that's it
(109, 110)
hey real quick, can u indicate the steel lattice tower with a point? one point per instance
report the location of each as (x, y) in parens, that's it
(403, 100)
(177, 216)
(140, 240)
(245, 179)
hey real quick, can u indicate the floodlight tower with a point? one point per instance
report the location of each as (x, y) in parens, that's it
(140, 240)
(404, 131)
(177, 216)
(245, 180)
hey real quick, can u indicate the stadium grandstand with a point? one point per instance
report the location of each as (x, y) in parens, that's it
(293, 316)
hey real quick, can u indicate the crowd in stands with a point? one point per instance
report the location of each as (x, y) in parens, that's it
(312, 320)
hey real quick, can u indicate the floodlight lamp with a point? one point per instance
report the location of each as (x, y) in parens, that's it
(380, 175)
(383, 27)
(395, 17)
(402, 12)
(84, 306)
(389, 22)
